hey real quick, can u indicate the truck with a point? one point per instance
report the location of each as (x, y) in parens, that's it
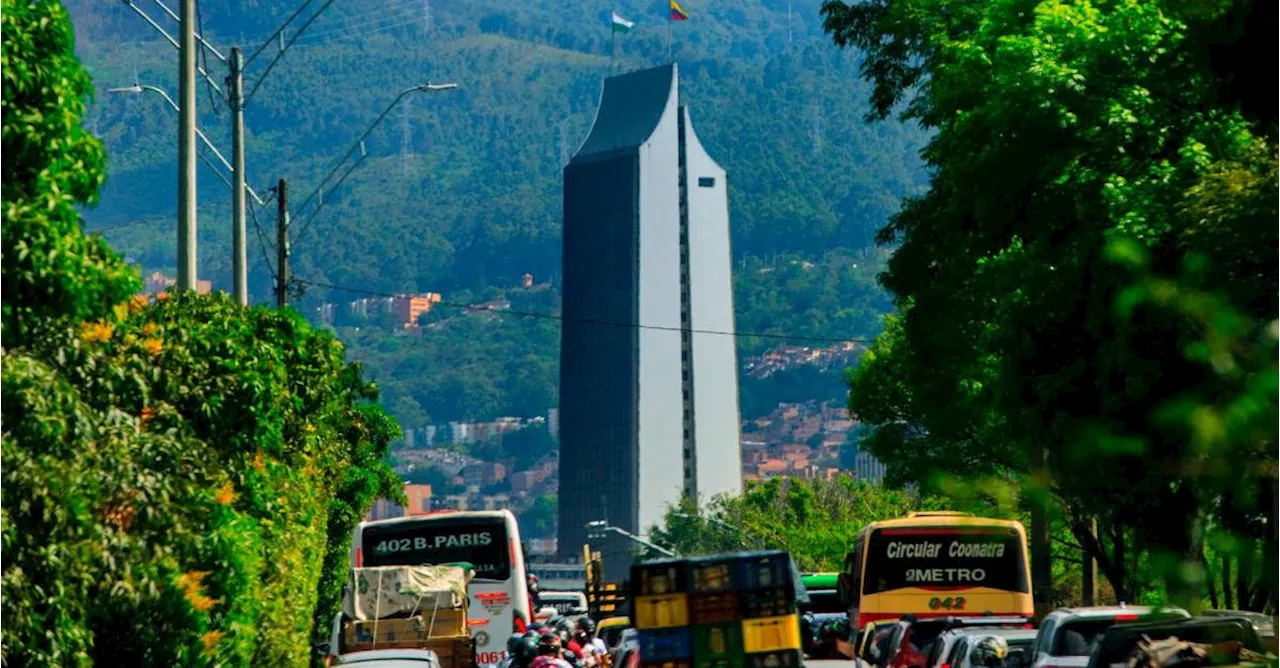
(405, 608)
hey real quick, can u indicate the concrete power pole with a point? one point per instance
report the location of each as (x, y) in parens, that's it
(282, 245)
(239, 254)
(187, 149)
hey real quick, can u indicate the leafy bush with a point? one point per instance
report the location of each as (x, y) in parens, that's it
(181, 477)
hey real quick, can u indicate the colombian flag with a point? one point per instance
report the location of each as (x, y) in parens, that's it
(678, 14)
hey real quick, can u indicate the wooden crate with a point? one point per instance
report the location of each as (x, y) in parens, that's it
(406, 629)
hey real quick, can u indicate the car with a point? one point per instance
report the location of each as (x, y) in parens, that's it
(953, 648)
(1117, 643)
(565, 603)
(627, 654)
(913, 639)
(1067, 635)
(1264, 625)
(871, 647)
(610, 630)
(390, 658)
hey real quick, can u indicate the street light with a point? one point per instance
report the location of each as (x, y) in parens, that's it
(140, 88)
(359, 145)
(597, 529)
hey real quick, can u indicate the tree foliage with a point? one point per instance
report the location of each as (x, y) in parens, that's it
(1093, 268)
(815, 520)
(181, 477)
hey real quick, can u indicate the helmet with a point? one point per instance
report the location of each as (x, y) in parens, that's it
(513, 643)
(989, 652)
(549, 643)
(586, 625)
(528, 648)
(564, 624)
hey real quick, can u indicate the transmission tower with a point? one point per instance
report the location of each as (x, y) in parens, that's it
(406, 139)
(817, 129)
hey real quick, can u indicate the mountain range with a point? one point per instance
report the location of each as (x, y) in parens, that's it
(458, 192)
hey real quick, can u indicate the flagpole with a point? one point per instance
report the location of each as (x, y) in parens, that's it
(669, 22)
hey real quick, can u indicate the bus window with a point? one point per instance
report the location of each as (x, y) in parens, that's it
(480, 542)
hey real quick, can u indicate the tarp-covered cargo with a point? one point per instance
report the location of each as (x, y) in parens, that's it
(398, 591)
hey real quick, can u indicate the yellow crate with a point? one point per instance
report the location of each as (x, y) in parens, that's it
(770, 634)
(660, 612)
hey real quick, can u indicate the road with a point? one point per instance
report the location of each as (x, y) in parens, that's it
(826, 663)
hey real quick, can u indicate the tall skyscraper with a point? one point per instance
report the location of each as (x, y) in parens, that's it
(648, 393)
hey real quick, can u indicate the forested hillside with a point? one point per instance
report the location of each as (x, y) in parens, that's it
(461, 190)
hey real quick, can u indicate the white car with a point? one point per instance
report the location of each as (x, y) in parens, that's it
(390, 658)
(1067, 635)
(953, 649)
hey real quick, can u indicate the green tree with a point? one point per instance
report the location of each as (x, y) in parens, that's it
(181, 477)
(539, 519)
(1096, 169)
(815, 520)
(50, 270)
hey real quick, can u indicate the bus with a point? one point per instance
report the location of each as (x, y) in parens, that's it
(489, 540)
(823, 590)
(937, 564)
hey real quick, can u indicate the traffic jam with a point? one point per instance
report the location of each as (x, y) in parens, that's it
(930, 590)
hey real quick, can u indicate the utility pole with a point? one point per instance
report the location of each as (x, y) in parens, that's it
(187, 149)
(282, 245)
(239, 255)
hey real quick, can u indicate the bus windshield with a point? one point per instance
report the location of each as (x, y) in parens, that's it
(481, 542)
(953, 557)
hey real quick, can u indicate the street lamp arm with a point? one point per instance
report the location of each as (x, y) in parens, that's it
(640, 541)
(138, 10)
(424, 88)
(138, 88)
(216, 54)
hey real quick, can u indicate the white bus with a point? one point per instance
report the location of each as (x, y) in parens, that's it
(489, 540)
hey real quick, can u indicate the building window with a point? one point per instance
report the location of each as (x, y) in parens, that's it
(684, 375)
(706, 181)
(686, 395)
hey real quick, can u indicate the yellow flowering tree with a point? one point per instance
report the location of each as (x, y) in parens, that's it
(180, 477)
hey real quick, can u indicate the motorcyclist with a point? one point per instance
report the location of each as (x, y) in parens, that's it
(990, 652)
(549, 653)
(565, 628)
(512, 659)
(587, 635)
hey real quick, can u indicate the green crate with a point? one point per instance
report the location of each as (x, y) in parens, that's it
(715, 643)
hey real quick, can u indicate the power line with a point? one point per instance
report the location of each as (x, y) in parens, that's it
(262, 239)
(592, 321)
(203, 55)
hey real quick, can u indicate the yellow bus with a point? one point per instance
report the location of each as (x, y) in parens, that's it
(937, 564)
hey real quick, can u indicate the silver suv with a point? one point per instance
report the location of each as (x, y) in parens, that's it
(1066, 635)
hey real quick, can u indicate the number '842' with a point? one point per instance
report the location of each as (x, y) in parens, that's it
(948, 603)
